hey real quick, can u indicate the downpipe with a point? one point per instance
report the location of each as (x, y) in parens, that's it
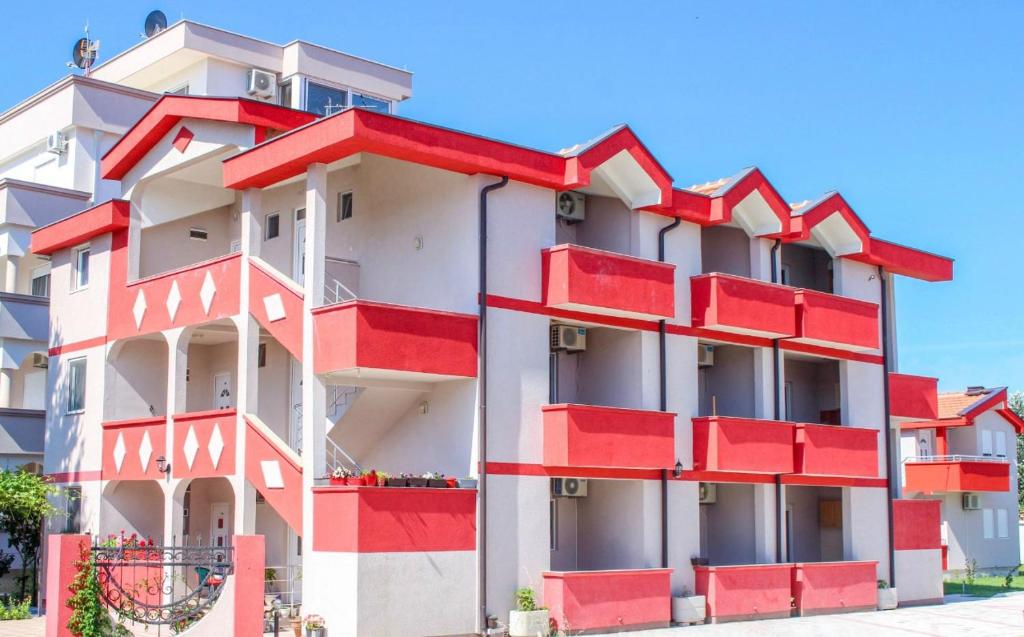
(777, 411)
(663, 398)
(892, 474)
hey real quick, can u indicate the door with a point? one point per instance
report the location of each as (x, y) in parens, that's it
(34, 393)
(222, 398)
(219, 527)
(788, 549)
(295, 411)
(299, 247)
(924, 444)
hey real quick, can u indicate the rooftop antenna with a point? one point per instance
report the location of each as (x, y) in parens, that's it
(156, 22)
(84, 52)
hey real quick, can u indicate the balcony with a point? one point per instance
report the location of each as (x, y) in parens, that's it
(131, 447)
(740, 305)
(363, 339)
(598, 601)
(836, 321)
(24, 317)
(599, 282)
(393, 519)
(736, 593)
(942, 474)
(836, 451)
(835, 587)
(586, 436)
(913, 397)
(204, 444)
(742, 445)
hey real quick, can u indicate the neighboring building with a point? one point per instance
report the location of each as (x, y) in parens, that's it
(960, 448)
(679, 389)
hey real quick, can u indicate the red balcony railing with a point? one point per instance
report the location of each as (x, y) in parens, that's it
(587, 436)
(598, 601)
(837, 451)
(744, 445)
(740, 305)
(834, 587)
(942, 474)
(754, 591)
(588, 280)
(836, 321)
(379, 340)
(131, 447)
(913, 397)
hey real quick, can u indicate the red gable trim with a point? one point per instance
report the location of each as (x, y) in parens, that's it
(578, 167)
(802, 224)
(80, 227)
(171, 109)
(943, 423)
(1015, 421)
(907, 261)
(722, 205)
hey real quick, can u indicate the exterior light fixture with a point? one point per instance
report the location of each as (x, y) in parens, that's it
(162, 465)
(678, 471)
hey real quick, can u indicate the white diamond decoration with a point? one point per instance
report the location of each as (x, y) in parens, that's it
(145, 450)
(119, 452)
(207, 292)
(272, 474)
(139, 309)
(173, 300)
(191, 446)
(274, 307)
(216, 445)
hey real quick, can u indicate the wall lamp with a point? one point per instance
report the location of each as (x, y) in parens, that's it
(678, 470)
(162, 465)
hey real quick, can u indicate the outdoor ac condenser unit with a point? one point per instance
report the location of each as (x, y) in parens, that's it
(261, 84)
(705, 355)
(972, 502)
(568, 337)
(42, 361)
(571, 206)
(706, 493)
(569, 487)
(56, 143)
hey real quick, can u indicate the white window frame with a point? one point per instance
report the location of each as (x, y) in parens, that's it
(986, 443)
(76, 267)
(352, 206)
(1002, 524)
(75, 379)
(987, 524)
(1000, 449)
(39, 272)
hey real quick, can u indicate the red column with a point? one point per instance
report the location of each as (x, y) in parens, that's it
(61, 554)
(941, 448)
(250, 558)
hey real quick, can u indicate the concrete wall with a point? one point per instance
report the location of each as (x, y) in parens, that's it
(137, 380)
(132, 507)
(727, 526)
(813, 388)
(222, 228)
(806, 267)
(729, 383)
(725, 249)
(204, 363)
(812, 542)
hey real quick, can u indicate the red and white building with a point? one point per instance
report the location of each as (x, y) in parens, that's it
(268, 294)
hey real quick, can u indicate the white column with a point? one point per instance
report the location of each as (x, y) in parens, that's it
(177, 365)
(6, 380)
(248, 354)
(765, 510)
(11, 274)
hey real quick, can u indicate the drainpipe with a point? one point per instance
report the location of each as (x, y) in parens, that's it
(663, 399)
(482, 399)
(777, 412)
(893, 475)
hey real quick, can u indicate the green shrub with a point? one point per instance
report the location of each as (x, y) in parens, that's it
(15, 610)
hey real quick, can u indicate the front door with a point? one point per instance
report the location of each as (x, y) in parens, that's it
(219, 524)
(222, 398)
(299, 251)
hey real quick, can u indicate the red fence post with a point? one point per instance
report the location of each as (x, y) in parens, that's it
(62, 553)
(250, 560)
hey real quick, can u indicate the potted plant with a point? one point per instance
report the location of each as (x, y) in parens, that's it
(418, 481)
(315, 626)
(296, 621)
(436, 480)
(369, 478)
(382, 478)
(888, 599)
(467, 483)
(689, 609)
(340, 475)
(398, 480)
(528, 619)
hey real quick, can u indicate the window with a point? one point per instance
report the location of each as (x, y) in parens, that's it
(1001, 444)
(261, 355)
(986, 523)
(788, 399)
(371, 103)
(41, 281)
(76, 385)
(554, 524)
(80, 276)
(344, 205)
(324, 100)
(1001, 523)
(986, 442)
(273, 227)
(73, 510)
(181, 90)
(199, 234)
(284, 94)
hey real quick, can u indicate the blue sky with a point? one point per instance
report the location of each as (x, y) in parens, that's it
(911, 109)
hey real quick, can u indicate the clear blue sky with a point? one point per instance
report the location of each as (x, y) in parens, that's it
(913, 110)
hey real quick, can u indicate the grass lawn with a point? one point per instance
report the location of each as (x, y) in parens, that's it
(983, 586)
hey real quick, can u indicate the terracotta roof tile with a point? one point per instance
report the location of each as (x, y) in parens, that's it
(951, 404)
(709, 187)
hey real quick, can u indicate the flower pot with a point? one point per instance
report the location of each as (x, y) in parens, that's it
(437, 484)
(398, 482)
(338, 481)
(887, 599)
(528, 623)
(354, 481)
(297, 626)
(689, 610)
(467, 483)
(417, 482)
(699, 561)
(370, 480)
(315, 632)
(452, 483)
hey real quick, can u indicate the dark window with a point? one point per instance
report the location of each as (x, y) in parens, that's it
(284, 92)
(273, 226)
(199, 234)
(344, 206)
(324, 100)
(261, 355)
(41, 285)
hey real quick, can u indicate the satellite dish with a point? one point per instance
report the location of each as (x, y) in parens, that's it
(156, 22)
(84, 53)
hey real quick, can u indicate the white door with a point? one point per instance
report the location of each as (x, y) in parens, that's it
(295, 411)
(222, 398)
(924, 444)
(219, 527)
(299, 251)
(34, 394)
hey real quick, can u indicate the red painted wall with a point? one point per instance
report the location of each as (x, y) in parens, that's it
(917, 524)
(742, 445)
(203, 422)
(62, 551)
(913, 396)
(590, 600)
(393, 519)
(754, 591)
(939, 477)
(837, 451)
(288, 330)
(586, 436)
(287, 501)
(598, 279)
(132, 432)
(108, 216)
(839, 320)
(828, 586)
(738, 304)
(250, 556)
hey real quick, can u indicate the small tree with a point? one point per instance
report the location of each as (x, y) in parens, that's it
(1016, 404)
(24, 504)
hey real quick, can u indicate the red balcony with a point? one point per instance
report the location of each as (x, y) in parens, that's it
(131, 447)
(836, 451)
(585, 436)
(204, 444)
(598, 601)
(588, 280)
(914, 397)
(742, 445)
(836, 321)
(393, 342)
(756, 591)
(941, 474)
(276, 302)
(393, 519)
(835, 587)
(740, 305)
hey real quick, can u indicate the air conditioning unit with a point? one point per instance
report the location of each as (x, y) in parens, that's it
(971, 502)
(56, 143)
(707, 493)
(42, 361)
(569, 487)
(705, 355)
(261, 84)
(569, 338)
(571, 206)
